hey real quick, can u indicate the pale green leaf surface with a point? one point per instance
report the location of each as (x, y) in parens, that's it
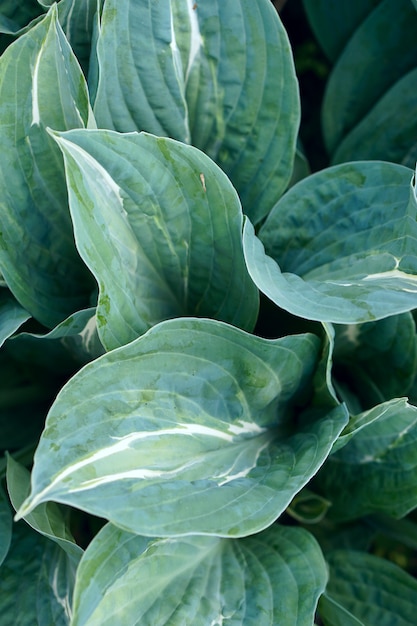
(38, 257)
(334, 21)
(274, 577)
(6, 522)
(382, 50)
(159, 225)
(217, 75)
(370, 589)
(47, 519)
(188, 429)
(341, 245)
(12, 315)
(34, 589)
(380, 136)
(376, 471)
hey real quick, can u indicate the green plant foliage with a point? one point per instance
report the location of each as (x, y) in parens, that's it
(364, 589)
(208, 353)
(346, 251)
(221, 71)
(203, 580)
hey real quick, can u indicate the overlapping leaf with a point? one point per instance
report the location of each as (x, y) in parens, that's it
(41, 84)
(334, 21)
(191, 428)
(36, 581)
(262, 580)
(381, 51)
(219, 75)
(341, 245)
(376, 361)
(6, 522)
(364, 589)
(398, 140)
(159, 225)
(12, 315)
(377, 468)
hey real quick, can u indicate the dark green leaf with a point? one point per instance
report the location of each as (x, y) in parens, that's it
(6, 521)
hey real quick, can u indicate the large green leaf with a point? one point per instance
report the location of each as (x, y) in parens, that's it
(12, 315)
(377, 361)
(215, 74)
(274, 577)
(41, 85)
(192, 428)
(381, 51)
(364, 590)
(36, 582)
(345, 240)
(334, 21)
(159, 225)
(377, 468)
(77, 19)
(397, 142)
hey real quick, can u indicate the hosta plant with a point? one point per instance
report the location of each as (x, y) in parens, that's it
(209, 366)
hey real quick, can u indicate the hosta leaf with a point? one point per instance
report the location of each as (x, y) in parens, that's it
(364, 589)
(14, 16)
(398, 141)
(274, 577)
(72, 343)
(159, 225)
(41, 85)
(345, 240)
(6, 522)
(77, 21)
(377, 469)
(215, 74)
(362, 352)
(372, 61)
(36, 582)
(46, 519)
(12, 315)
(334, 21)
(189, 429)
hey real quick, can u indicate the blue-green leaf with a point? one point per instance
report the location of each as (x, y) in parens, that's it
(36, 582)
(381, 51)
(12, 315)
(192, 428)
(397, 142)
(334, 21)
(217, 75)
(364, 589)
(159, 225)
(274, 577)
(46, 519)
(341, 245)
(376, 471)
(41, 84)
